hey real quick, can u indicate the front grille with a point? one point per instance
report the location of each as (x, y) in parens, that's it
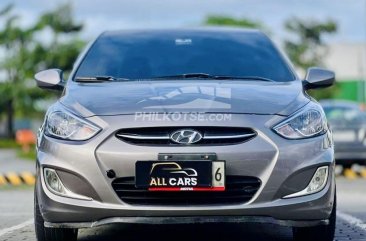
(239, 190)
(160, 136)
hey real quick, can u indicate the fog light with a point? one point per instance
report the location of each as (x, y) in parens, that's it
(316, 184)
(55, 185)
(53, 182)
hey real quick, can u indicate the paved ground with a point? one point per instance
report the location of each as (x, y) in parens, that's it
(16, 217)
(9, 162)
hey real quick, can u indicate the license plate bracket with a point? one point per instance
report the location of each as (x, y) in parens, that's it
(177, 175)
(187, 156)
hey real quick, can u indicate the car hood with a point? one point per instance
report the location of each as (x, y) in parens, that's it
(185, 96)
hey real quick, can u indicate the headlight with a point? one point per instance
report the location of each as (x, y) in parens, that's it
(307, 123)
(66, 126)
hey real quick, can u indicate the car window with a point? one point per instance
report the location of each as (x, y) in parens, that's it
(142, 56)
(345, 114)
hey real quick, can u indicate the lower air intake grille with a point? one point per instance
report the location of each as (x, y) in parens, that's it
(239, 190)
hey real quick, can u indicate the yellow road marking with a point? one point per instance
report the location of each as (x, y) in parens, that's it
(2, 180)
(28, 178)
(13, 178)
(349, 173)
(363, 172)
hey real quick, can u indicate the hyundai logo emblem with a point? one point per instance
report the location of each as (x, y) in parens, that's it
(186, 136)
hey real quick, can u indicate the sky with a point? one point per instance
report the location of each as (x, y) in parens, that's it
(99, 16)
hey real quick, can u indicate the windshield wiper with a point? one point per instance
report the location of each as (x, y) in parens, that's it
(209, 76)
(227, 77)
(88, 79)
(186, 76)
(169, 77)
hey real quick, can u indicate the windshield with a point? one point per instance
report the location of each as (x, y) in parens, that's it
(154, 54)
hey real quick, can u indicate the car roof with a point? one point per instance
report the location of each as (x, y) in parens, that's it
(190, 31)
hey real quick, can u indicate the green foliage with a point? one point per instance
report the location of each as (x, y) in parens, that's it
(60, 20)
(27, 53)
(216, 20)
(31, 155)
(308, 48)
(12, 144)
(328, 93)
(8, 187)
(8, 144)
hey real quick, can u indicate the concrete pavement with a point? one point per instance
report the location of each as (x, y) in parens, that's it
(16, 213)
(9, 162)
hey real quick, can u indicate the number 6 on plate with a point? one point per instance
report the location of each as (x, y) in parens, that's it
(218, 174)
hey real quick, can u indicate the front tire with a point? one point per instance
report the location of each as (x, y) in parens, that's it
(321, 232)
(50, 234)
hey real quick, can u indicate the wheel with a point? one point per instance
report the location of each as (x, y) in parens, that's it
(321, 232)
(50, 234)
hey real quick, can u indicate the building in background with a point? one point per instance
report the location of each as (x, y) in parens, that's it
(349, 62)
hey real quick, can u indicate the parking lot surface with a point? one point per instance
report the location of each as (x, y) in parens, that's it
(16, 214)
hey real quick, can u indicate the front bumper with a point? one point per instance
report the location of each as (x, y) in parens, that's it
(269, 157)
(188, 220)
(297, 212)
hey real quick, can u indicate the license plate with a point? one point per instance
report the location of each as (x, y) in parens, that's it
(180, 175)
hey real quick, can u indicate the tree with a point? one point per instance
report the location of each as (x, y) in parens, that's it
(13, 41)
(25, 54)
(57, 53)
(218, 20)
(308, 49)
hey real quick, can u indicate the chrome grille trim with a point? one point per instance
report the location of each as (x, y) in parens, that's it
(161, 135)
(145, 137)
(228, 137)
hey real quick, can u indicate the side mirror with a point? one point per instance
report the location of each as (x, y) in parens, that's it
(318, 78)
(50, 79)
